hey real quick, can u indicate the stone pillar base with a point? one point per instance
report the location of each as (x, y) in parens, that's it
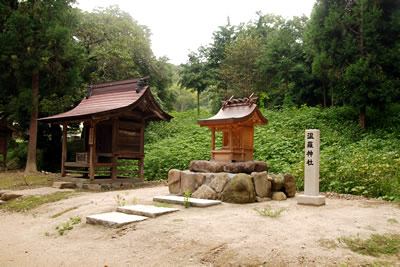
(311, 200)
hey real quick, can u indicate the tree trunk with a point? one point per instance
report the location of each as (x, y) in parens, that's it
(31, 157)
(362, 117)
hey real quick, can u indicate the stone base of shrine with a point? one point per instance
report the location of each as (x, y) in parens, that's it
(103, 184)
(311, 200)
(237, 182)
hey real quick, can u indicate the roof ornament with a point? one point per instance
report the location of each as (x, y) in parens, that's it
(89, 91)
(141, 84)
(248, 100)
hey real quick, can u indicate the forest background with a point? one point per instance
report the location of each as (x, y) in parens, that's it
(338, 71)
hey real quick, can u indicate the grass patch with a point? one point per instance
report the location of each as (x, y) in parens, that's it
(269, 212)
(392, 220)
(162, 205)
(374, 245)
(327, 243)
(31, 202)
(63, 212)
(177, 220)
(18, 180)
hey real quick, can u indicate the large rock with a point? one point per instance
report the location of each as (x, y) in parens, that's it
(278, 196)
(206, 166)
(239, 190)
(261, 184)
(219, 181)
(289, 185)
(205, 192)
(277, 182)
(246, 167)
(174, 181)
(191, 181)
(4, 191)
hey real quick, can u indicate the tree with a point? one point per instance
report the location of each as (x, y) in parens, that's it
(195, 76)
(41, 55)
(352, 47)
(239, 69)
(117, 48)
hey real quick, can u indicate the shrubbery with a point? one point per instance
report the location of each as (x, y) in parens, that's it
(352, 161)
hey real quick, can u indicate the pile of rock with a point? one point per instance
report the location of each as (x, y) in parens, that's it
(238, 182)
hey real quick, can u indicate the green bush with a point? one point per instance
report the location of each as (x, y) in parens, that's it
(351, 160)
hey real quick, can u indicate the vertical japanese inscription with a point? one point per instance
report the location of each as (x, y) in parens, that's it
(311, 163)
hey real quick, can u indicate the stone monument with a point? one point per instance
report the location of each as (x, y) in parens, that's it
(311, 194)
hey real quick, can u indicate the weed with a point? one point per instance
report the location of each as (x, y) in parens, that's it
(269, 212)
(327, 243)
(47, 234)
(374, 245)
(67, 226)
(63, 212)
(177, 220)
(75, 220)
(120, 200)
(186, 197)
(31, 202)
(162, 205)
(392, 220)
(134, 201)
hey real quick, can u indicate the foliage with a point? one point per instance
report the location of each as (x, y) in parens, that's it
(269, 212)
(374, 245)
(351, 161)
(186, 197)
(120, 200)
(68, 225)
(31, 202)
(117, 47)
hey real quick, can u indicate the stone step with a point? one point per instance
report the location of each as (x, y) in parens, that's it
(114, 219)
(194, 202)
(63, 185)
(146, 210)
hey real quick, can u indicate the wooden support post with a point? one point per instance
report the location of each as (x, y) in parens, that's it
(114, 149)
(231, 140)
(64, 149)
(92, 151)
(140, 169)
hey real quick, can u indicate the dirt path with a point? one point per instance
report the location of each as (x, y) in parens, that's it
(223, 235)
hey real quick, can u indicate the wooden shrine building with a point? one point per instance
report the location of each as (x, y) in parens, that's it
(5, 131)
(114, 116)
(236, 120)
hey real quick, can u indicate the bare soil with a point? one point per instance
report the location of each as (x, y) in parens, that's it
(223, 235)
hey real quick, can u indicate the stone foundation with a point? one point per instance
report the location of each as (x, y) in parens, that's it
(240, 187)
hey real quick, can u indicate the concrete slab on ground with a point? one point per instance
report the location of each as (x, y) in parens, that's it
(114, 219)
(194, 202)
(146, 210)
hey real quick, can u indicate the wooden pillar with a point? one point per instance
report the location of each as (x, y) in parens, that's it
(92, 151)
(212, 142)
(114, 149)
(64, 149)
(140, 169)
(231, 139)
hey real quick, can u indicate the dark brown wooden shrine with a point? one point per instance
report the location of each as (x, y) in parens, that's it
(236, 120)
(5, 131)
(114, 116)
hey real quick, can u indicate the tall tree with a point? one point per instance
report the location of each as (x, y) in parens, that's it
(117, 48)
(195, 76)
(352, 45)
(41, 56)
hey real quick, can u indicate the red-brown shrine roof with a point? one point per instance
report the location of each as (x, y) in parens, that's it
(113, 97)
(235, 111)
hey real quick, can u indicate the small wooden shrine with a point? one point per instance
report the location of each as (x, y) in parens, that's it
(114, 116)
(236, 120)
(5, 131)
